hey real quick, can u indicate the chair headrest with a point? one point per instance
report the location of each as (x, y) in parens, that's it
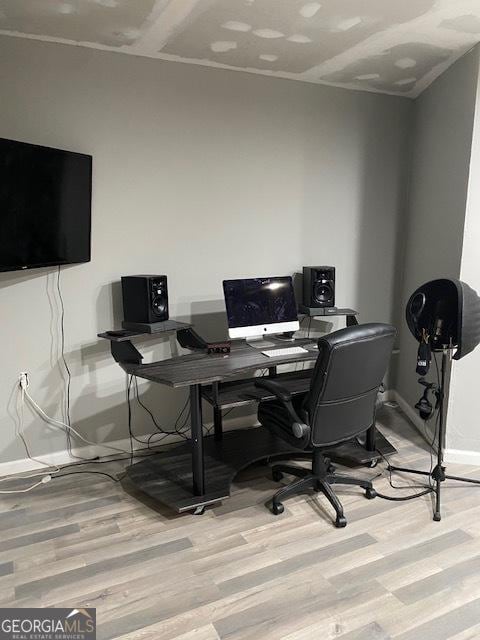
(356, 333)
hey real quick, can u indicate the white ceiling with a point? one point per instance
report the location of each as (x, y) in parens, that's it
(387, 46)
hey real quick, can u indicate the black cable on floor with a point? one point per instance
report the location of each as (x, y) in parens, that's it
(426, 490)
(76, 473)
(138, 453)
(402, 498)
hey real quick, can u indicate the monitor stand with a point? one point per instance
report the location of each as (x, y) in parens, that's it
(258, 342)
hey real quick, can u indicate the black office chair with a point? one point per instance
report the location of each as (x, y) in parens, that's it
(340, 405)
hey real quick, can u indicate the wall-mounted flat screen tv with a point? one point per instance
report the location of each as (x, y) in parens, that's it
(45, 206)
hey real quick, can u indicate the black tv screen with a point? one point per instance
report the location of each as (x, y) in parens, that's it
(45, 206)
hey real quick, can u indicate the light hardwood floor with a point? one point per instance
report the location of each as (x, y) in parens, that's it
(240, 573)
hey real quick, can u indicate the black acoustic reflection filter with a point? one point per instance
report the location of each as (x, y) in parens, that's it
(469, 320)
(318, 287)
(448, 310)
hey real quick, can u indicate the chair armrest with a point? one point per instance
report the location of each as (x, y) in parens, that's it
(274, 387)
(299, 428)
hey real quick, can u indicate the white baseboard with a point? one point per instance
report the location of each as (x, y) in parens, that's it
(459, 456)
(58, 458)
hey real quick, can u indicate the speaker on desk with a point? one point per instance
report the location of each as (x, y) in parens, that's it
(145, 299)
(319, 287)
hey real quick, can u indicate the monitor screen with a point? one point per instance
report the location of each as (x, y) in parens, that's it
(262, 304)
(45, 206)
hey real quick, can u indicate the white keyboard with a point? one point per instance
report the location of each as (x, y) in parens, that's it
(285, 351)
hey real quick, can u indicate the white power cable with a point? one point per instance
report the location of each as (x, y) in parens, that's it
(44, 480)
(23, 386)
(45, 476)
(65, 427)
(21, 435)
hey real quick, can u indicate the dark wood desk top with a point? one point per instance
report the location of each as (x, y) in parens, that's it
(200, 368)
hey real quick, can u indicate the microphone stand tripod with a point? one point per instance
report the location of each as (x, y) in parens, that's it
(438, 473)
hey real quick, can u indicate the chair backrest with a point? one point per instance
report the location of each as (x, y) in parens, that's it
(350, 367)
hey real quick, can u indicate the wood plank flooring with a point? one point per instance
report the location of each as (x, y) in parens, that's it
(240, 573)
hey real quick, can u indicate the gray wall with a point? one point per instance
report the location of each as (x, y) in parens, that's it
(200, 174)
(463, 437)
(440, 159)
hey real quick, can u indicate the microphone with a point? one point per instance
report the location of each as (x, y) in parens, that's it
(441, 312)
(437, 331)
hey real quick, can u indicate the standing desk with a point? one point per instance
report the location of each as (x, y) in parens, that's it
(194, 474)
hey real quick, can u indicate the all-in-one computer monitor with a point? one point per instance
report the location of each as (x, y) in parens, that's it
(260, 306)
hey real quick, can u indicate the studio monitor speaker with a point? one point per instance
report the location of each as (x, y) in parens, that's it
(145, 298)
(319, 286)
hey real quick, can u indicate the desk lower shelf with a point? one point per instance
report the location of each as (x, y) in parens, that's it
(240, 393)
(167, 477)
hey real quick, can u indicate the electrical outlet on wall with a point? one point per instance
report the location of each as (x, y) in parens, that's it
(23, 379)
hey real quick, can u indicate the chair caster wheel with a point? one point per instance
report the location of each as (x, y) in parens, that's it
(340, 522)
(277, 508)
(437, 516)
(370, 494)
(276, 475)
(372, 464)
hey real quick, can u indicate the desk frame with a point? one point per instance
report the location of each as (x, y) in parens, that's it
(147, 476)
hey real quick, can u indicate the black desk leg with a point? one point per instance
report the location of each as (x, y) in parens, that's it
(217, 414)
(371, 438)
(217, 423)
(198, 468)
